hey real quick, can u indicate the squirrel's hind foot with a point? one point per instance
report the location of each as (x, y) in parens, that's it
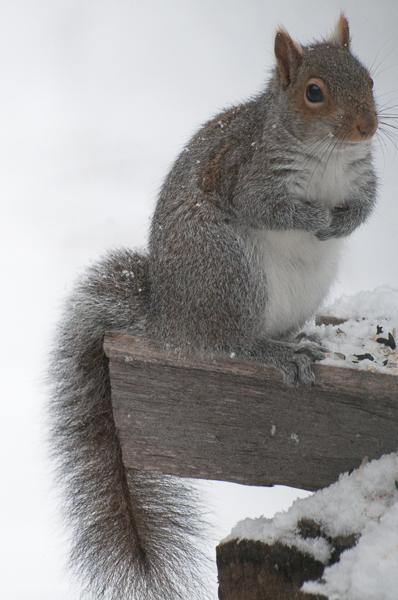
(294, 360)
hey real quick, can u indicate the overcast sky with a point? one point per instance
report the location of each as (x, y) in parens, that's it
(97, 99)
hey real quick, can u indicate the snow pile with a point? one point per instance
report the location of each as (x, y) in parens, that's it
(367, 337)
(370, 570)
(364, 503)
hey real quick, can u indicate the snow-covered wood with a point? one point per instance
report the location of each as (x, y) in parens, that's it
(236, 421)
(339, 543)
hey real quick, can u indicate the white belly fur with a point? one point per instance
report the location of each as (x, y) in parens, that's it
(298, 271)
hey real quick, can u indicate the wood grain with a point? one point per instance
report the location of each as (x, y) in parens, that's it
(235, 421)
(251, 570)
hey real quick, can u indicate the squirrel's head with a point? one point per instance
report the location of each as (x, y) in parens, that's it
(327, 91)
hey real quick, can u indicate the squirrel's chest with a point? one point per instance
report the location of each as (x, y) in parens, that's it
(326, 177)
(296, 271)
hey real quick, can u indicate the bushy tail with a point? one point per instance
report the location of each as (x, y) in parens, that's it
(134, 533)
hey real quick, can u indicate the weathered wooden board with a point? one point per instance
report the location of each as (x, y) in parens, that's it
(236, 421)
(251, 570)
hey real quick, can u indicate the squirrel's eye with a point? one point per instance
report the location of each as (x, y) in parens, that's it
(314, 93)
(371, 83)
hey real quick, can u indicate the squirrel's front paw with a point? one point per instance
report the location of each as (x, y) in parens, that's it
(340, 225)
(315, 217)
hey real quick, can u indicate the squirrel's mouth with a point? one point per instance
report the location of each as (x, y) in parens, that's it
(349, 143)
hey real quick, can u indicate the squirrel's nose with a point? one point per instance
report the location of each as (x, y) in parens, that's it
(366, 126)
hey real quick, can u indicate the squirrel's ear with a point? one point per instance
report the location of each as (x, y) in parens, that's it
(288, 55)
(341, 35)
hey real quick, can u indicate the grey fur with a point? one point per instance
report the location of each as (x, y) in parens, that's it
(133, 531)
(243, 248)
(243, 172)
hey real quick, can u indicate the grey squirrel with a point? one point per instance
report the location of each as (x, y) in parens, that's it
(244, 245)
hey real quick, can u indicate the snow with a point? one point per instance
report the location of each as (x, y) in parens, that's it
(368, 339)
(98, 99)
(369, 570)
(365, 503)
(381, 303)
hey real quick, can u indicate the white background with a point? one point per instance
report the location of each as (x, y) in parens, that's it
(97, 98)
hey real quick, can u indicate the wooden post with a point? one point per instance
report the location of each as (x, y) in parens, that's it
(232, 420)
(253, 570)
(250, 570)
